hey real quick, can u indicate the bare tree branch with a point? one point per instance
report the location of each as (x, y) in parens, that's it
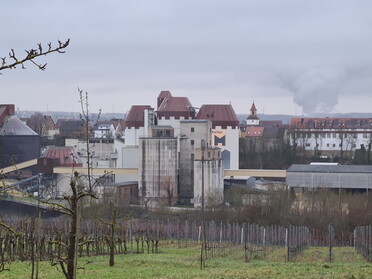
(31, 55)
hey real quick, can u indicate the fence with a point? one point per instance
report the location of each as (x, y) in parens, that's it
(138, 236)
(363, 241)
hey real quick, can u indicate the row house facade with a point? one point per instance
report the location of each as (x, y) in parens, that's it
(331, 137)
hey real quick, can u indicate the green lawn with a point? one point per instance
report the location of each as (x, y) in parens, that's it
(172, 262)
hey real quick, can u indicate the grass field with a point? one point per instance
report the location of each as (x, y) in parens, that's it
(172, 262)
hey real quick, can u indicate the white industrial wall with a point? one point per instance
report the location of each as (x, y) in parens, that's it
(213, 182)
(158, 162)
(231, 145)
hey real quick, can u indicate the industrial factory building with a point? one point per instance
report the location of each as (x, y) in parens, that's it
(333, 176)
(18, 142)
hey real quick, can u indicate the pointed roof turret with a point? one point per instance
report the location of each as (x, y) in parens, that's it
(253, 110)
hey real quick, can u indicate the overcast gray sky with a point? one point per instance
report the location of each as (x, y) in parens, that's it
(289, 56)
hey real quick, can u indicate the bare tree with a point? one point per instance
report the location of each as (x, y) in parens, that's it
(16, 61)
(81, 187)
(168, 186)
(31, 55)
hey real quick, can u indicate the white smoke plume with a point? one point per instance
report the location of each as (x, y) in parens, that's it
(316, 90)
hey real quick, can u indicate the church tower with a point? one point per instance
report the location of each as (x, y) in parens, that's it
(252, 119)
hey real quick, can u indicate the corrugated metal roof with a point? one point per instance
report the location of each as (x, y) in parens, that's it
(331, 168)
(66, 155)
(13, 126)
(220, 115)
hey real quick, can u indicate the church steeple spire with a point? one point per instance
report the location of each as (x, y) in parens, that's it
(253, 109)
(252, 119)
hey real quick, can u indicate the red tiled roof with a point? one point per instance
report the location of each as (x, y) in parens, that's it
(66, 155)
(135, 117)
(176, 107)
(331, 123)
(254, 131)
(220, 115)
(165, 94)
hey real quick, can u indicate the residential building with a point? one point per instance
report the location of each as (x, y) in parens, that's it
(104, 130)
(43, 125)
(330, 137)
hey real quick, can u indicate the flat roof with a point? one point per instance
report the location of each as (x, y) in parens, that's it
(330, 168)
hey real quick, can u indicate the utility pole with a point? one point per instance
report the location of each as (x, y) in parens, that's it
(204, 242)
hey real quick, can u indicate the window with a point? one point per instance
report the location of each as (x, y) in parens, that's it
(192, 129)
(334, 136)
(327, 144)
(192, 142)
(334, 145)
(192, 157)
(308, 144)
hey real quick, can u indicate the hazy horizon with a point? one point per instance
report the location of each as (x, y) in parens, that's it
(289, 57)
